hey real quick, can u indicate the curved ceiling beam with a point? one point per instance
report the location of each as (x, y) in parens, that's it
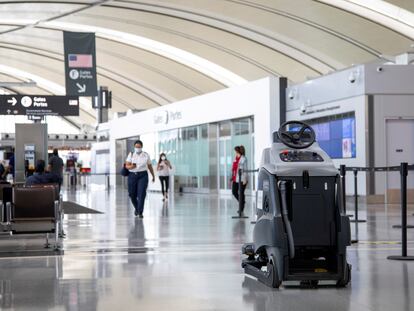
(268, 9)
(131, 60)
(380, 12)
(267, 39)
(311, 58)
(308, 22)
(139, 87)
(210, 69)
(198, 63)
(188, 36)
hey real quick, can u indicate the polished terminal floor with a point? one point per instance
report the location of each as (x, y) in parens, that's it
(185, 255)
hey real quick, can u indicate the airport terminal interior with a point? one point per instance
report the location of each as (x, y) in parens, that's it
(207, 155)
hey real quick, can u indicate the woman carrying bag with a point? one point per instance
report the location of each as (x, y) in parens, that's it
(138, 163)
(163, 169)
(240, 162)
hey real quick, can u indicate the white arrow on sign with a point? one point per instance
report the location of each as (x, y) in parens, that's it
(8, 111)
(81, 88)
(12, 101)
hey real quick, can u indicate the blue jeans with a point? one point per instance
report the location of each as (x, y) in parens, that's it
(137, 189)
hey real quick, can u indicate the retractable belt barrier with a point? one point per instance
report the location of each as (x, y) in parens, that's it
(403, 168)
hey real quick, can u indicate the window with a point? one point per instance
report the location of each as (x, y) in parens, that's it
(241, 127)
(336, 134)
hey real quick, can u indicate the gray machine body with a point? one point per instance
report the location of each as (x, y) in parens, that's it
(315, 214)
(272, 162)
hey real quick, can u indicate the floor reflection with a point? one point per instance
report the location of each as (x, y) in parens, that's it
(185, 255)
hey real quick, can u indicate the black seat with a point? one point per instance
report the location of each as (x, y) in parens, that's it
(55, 188)
(31, 203)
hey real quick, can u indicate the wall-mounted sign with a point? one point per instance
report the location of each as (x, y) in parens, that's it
(80, 63)
(165, 117)
(312, 111)
(39, 105)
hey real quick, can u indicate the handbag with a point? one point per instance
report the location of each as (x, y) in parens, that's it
(124, 171)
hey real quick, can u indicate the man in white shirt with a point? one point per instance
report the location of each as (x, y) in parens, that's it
(138, 162)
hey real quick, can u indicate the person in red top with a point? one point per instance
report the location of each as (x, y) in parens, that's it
(239, 162)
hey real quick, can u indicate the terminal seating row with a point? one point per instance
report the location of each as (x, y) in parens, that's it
(31, 210)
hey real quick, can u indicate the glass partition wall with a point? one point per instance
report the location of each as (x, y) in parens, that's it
(231, 134)
(202, 155)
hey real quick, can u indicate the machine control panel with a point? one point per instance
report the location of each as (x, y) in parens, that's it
(300, 156)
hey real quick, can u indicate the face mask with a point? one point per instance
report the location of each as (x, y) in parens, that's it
(138, 150)
(163, 158)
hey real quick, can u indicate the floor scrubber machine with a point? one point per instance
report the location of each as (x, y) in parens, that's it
(301, 232)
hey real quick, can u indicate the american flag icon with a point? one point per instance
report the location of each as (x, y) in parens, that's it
(80, 61)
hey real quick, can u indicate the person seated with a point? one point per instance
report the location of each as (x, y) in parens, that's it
(40, 176)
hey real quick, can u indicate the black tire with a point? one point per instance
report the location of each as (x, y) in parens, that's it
(274, 280)
(314, 283)
(309, 283)
(346, 278)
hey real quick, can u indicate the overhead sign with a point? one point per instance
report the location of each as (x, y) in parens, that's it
(39, 105)
(80, 63)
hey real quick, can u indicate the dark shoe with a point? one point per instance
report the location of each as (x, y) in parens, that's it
(136, 213)
(140, 216)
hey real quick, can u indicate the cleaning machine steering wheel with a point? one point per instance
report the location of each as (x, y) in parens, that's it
(295, 139)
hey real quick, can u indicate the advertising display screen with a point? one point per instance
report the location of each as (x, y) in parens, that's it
(336, 134)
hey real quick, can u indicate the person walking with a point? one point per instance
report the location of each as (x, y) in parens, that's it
(56, 166)
(138, 163)
(163, 169)
(240, 162)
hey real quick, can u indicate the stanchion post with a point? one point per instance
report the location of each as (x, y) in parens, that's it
(342, 173)
(403, 170)
(356, 220)
(356, 194)
(107, 182)
(403, 173)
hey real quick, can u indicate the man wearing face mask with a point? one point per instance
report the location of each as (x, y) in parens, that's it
(138, 162)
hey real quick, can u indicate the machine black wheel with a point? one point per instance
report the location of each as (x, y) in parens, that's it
(314, 283)
(309, 284)
(274, 279)
(347, 277)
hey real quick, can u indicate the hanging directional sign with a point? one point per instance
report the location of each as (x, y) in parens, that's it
(80, 63)
(39, 105)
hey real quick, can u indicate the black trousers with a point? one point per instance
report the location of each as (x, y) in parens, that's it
(235, 191)
(137, 189)
(165, 182)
